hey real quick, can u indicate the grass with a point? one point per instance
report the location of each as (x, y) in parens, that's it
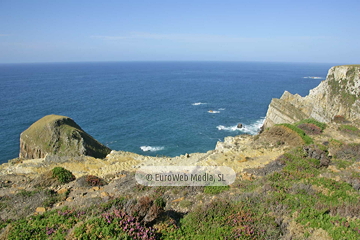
(215, 189)
(25, 193)
(185, 203)
(350, 129)
(301, 133)
(54, 197)
(321, 125)
(342, 163)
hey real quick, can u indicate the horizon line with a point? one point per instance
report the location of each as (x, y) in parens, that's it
(154, 61)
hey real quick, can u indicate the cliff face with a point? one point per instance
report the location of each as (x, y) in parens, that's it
(339, 94)
(60, 136)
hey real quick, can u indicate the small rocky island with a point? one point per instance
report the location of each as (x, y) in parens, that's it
(60, 136)
(297, 179)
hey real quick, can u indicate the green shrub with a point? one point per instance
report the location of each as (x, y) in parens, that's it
(205, 222)
(160, 202)
(62, 175)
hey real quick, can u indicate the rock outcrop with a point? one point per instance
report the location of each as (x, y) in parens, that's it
(59, 136)
(339, 94)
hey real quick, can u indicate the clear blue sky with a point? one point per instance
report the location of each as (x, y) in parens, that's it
(132, 30)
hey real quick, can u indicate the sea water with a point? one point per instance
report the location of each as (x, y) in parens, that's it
(151, 108)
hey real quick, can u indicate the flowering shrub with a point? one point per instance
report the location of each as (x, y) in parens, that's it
(130, 225)
(339, 119)
(49, 225)
(243, 223)
(94, 180)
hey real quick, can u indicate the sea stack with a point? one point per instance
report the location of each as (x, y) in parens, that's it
(60, 136)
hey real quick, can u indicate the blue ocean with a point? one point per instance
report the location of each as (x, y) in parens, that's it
(150, 108)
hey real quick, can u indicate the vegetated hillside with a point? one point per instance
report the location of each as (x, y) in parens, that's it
(311, 191)
(298, 179)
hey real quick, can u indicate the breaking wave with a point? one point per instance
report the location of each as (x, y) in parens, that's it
(230, 129)
(315, 77)
(151, 149)
(250, 129)
(198, 103)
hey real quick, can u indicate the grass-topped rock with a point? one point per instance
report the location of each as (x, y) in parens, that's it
(60, 136)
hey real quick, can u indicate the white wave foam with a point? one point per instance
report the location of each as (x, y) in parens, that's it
(250, 129)
(315, 77)
(198, 103)
(221, 109)
(231, 129)
(151, 149)
(212, 111)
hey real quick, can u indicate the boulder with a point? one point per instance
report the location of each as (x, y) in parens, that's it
(59, 136)
(239, 125)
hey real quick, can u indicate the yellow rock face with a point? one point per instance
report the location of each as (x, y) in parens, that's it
(339, 94)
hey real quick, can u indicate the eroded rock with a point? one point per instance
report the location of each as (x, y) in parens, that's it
(338, 95)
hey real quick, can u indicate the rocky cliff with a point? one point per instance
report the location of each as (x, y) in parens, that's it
(59, 136)
(339, 94)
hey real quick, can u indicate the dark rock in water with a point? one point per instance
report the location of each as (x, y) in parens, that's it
(239, 125)
(61, 136)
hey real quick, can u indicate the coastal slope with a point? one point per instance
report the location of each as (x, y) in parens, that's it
(294, 181)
